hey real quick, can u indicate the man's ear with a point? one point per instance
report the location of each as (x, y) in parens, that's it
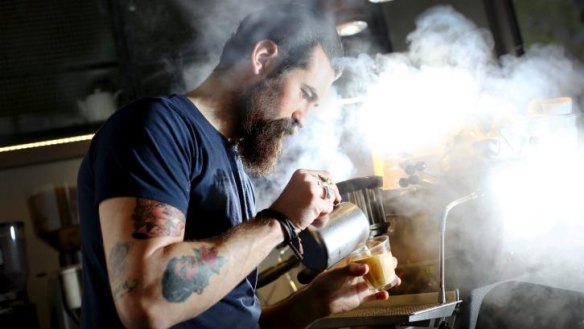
(263, 56)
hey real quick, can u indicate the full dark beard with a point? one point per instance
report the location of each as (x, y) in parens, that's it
(262, 145)
(261, 137)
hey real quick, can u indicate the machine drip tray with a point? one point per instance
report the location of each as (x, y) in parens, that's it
(399, 309)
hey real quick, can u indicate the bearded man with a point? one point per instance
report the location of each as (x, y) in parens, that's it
(170, 236)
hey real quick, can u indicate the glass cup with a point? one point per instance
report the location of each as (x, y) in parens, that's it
(377, 255)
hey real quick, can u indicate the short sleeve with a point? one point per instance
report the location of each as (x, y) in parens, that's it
(144, 151)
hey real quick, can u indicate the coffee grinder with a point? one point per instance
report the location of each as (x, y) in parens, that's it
(54, 213)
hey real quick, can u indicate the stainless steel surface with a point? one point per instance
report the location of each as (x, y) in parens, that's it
(346, 228)
(365, 192)
(399, 309)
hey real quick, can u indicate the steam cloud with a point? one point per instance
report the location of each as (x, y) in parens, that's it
(448, 93)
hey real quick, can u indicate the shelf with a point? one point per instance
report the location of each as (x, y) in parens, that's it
(43, 154)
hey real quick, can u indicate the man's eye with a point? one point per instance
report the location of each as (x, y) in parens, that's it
(308, 95)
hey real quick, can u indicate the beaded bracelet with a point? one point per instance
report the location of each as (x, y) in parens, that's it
(291, 239)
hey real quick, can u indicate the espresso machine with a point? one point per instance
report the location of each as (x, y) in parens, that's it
(364, 211)
(55, 217)
(436, 308)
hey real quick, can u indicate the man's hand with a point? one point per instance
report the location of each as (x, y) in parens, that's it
(309, 195)
(336, 290)
(342, 289)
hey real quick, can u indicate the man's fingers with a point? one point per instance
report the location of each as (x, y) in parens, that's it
(351, 269)
(330, 189)
(379, 295)
(398, 281)
(326, 208)
(356, 269)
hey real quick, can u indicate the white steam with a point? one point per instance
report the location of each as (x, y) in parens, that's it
(440, 100)
(449, 78)
(447, 94)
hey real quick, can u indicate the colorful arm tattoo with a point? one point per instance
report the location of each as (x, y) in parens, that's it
(156, 219)
(187, 274)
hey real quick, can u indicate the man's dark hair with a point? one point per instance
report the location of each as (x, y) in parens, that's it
(296, 29)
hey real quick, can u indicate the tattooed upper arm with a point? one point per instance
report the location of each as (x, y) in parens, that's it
(156, 219)
(140, 236)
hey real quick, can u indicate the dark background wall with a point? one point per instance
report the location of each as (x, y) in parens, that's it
(55, 53)
(52, 53)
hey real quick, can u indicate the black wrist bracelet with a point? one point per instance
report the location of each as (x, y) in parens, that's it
(287, 226)
(290, 237)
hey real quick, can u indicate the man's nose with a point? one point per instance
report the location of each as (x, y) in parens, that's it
(300, 115)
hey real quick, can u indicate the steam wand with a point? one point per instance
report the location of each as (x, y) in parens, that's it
(450, 206)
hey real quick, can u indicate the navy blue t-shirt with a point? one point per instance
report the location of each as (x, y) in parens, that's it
(164, 149)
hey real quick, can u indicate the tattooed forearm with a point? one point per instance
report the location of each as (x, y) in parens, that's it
(190, 273)
(117, 259)
(117, 268)
(156, 219)
(125, 287)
